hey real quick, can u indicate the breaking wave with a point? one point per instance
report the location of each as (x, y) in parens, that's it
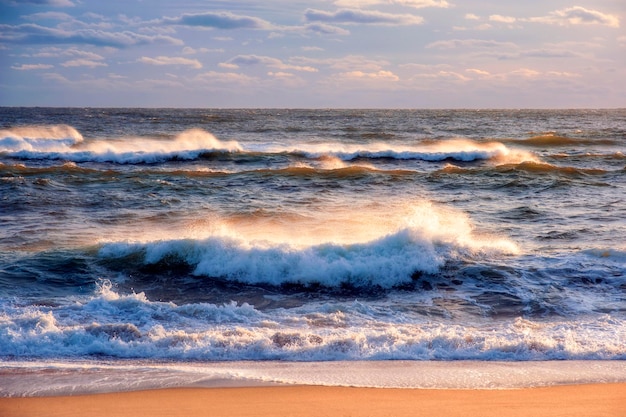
(423, 242)
(65, 143)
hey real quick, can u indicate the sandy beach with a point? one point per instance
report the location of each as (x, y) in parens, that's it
(592, 400)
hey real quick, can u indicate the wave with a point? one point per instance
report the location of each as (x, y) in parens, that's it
(554, 140)
(38, 137)
(65, 143)
(422, 242)
(538, 168)
(463, 150)
(108, 323)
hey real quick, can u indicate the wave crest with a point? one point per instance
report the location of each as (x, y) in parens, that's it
(65, 143)
(53, 138)
(425, 241)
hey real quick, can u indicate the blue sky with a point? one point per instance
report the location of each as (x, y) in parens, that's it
(315, 53)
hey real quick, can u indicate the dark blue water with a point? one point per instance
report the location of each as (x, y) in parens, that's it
(312, 235)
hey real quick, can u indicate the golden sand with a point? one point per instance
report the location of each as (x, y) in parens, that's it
(594, 400)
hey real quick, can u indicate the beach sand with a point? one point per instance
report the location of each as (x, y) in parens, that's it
(592, 400)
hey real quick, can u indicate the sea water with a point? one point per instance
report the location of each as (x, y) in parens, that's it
(266, 244)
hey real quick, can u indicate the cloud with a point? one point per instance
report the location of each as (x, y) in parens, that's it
(470, 43)
(477, 71)
(83, 63)
(213, 77)
(165, 60)
(502, 19)
(346, 64)
(578, 16)
(30, 67)
(472, 16)
(48, 16)
(187, 50)
(223, 20)
(36, 34)
(418, 4)
(379, 75)
(54, 3)
(57, 52)
(353, 16)
(249, 60)
(448, 76)
(324, 29)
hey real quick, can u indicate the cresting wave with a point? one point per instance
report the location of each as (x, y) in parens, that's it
(421, 238)
(65, 143)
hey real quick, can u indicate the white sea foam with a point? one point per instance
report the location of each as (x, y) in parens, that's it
(55, 138)
(421, 241)
(84, 377)
(132, 326)
(457, 149)
(64, 142)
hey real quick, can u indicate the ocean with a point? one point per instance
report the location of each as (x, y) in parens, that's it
(331, 246)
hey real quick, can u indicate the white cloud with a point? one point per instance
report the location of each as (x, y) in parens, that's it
(442, 75)
(54, 3)
(48, 16)
(249, 60)
(525, 73)
(418, 4)
(227, 78)
(223, 20)
(36, 34)
(324, 29)
(365, 17)
(83, 63)
(166, 60)
(379, 75)
(578, 16)
(479, 72)
(187, 50)
(29, 67)
(470, 43)
(472, 16)
(502, 19)
(280, 74)
(348, 63)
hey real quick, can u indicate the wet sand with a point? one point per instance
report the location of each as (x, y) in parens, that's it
(593, 400)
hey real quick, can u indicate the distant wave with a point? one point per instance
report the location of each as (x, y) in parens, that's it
(538, 168)
(554, 140)
(65, 143)
(464, 150)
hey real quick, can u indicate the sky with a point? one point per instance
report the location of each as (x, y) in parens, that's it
(314, 53)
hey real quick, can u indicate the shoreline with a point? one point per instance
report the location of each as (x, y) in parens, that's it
(52, 378)
(582, 400)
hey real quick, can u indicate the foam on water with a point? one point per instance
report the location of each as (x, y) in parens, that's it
(65, 143)
(55, 138)
(132, 326)
(418, 238)
(63, 378)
